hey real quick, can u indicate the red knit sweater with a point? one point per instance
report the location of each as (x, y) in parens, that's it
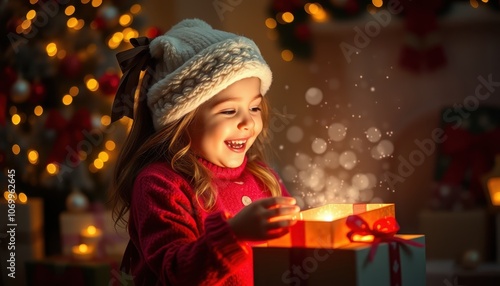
(175, 242)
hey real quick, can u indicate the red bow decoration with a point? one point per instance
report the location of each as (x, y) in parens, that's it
(70, 134)
(383, 230)
(469, 151)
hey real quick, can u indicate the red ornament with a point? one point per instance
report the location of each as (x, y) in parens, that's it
(153, 32)
(38, 92)
(108, 83)
(70, 66)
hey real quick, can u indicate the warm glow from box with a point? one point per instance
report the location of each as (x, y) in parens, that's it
(327, 217)
(333, 212)
(326, 226)
(494, 189)
(362, 238)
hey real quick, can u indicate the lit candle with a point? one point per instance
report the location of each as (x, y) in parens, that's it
(91, 235)
(82, 252)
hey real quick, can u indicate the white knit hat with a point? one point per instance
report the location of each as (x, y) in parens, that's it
(194, 62)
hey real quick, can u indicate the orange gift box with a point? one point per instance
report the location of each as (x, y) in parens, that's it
(325, 226)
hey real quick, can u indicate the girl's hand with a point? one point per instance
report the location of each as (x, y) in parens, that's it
(265, 219)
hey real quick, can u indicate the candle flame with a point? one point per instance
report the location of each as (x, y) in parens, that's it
(91, 230)
(83, 248)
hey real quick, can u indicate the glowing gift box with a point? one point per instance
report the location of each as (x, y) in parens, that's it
(377, 255)
(347, 265)
(325, 226)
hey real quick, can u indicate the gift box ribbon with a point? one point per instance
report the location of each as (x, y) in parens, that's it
(383, 230)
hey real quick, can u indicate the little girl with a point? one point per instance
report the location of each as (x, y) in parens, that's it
(192, 175)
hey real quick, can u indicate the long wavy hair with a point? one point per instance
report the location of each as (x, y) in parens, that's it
(172, 144)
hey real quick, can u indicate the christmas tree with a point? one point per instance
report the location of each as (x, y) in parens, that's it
(58, 78)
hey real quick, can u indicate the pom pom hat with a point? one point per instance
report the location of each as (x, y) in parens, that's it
(192, 63)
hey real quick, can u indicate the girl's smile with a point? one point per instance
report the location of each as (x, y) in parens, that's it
(236, 145)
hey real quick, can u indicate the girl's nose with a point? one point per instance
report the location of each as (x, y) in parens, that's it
(246, 121)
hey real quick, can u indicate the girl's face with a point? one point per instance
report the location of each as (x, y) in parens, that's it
(226, 126)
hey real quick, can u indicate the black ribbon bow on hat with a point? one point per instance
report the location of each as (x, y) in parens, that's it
(132, 62)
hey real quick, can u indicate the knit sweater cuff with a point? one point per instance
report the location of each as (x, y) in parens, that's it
(221, 237)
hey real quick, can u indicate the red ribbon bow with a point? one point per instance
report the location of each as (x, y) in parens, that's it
(383, 230)
(70, 134)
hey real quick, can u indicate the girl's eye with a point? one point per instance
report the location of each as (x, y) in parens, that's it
(228, 112)
(255, 109)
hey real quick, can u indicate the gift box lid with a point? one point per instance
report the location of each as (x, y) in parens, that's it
(325, 226)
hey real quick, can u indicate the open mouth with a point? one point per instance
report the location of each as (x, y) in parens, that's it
(236, 144)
